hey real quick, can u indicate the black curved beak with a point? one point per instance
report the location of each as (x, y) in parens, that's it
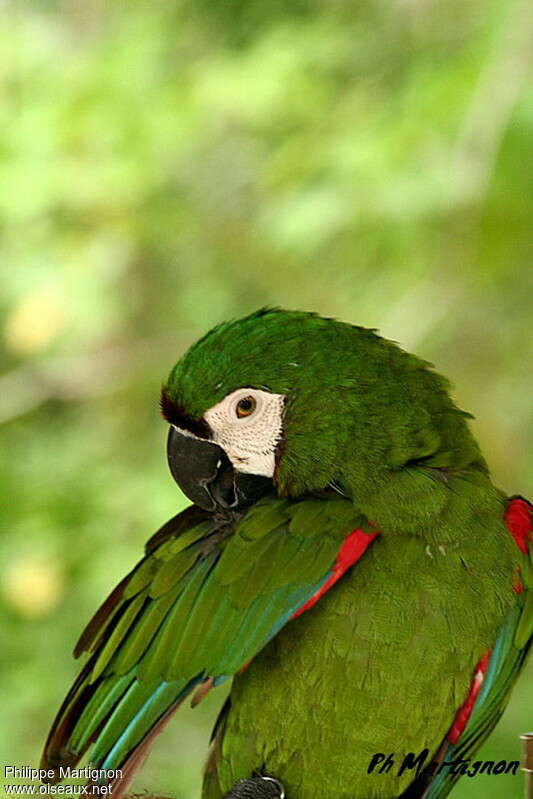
(206, 476)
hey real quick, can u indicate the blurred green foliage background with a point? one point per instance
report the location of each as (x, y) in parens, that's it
(165, 166)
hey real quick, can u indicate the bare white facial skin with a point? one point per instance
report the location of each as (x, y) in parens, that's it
(249, 441)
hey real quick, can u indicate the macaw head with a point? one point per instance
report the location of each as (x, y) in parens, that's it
(294, 402)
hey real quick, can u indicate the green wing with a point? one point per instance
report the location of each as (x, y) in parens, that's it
(208, 595)
(505, 663)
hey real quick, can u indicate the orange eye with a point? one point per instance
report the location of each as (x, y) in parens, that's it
(246, 406)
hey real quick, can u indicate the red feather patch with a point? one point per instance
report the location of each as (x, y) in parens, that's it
(353, 548)
(519, 521)
(463, 714)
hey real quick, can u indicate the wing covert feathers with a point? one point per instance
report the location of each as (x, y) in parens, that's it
(207, 596)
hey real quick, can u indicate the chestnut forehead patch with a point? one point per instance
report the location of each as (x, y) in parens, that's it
(176, 415)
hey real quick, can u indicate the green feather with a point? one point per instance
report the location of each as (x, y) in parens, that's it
(142, 634)
(262, 518)
(524, 630)
(98, 708)
(240, 555)
(141, 576)
(172, 571)
(135, 697)
(154, 664)
(197, 625)
(117, 636)
(307, 517)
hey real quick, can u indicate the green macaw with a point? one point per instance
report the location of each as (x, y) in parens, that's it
(347, 562)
